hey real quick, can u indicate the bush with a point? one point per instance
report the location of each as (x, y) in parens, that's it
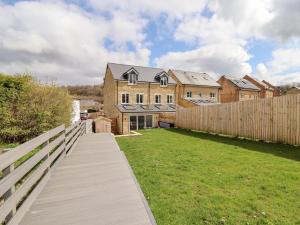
(28, 108)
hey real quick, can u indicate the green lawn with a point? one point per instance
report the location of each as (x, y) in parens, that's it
(195, 178)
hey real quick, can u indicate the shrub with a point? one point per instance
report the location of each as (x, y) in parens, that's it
(28, 108)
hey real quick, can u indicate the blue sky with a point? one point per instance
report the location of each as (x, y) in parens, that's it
(70, 42)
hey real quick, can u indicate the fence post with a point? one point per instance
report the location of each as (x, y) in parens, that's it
(10, 192)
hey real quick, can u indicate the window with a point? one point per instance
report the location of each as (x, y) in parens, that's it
(125, 98)
(212, 95)
(169, 99)
(163, 81)
(189, 94)
(139, 98)
(242, 95)
(157, 99)
(132, 78)
(200, 94)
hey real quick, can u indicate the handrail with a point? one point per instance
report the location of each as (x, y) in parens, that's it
(26, 169)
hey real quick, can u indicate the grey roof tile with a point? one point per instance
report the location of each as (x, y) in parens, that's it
(242, 83)
(146, 74)
(193, 78)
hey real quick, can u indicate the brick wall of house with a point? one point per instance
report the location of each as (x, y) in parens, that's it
(197, 90)
(163, 91)
(181, 92)
(147, 89)
(109, 95)
(132, 90)
(264, 92)
(245, 95)
(229, 92)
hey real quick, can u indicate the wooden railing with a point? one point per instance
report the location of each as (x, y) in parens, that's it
(24, 170)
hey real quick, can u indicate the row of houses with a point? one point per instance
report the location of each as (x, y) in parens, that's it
(137, 97)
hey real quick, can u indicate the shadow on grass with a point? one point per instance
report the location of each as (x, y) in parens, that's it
(280, 150)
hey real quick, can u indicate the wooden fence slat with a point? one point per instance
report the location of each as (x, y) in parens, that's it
(14, 154)
(46, 158)
(274, 119)
(19, 172)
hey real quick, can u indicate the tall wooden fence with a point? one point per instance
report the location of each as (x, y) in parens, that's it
(274, 119)
(25, 169)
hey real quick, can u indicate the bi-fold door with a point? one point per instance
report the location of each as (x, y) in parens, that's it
(141, 122)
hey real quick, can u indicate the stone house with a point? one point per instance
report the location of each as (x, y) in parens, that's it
(235, 89)
(138, 97)
(195, 88)
(265, 90)
(276, 90)
(293, 90)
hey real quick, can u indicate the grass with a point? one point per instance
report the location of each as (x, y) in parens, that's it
(195, 178)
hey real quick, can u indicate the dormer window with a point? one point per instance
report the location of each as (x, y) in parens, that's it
(164, 81)
(162, 78)
(132, 78)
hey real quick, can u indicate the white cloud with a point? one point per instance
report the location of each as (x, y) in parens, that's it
(62, 42)
(229, 28)
(285, 21)
(284, 67)
(221, 39)
(171, 8)
(216, 59)
(58, 40)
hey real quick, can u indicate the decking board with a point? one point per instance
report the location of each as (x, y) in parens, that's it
(93, 186)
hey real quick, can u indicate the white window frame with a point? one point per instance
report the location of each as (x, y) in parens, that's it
(158, 103)
(164, 81)
(168, 98)
(212, 94)
(189, 94)
(125, 98)
(132, 79)
(145, 122)
(138, 98)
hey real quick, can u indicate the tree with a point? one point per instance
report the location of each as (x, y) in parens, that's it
(28, 108)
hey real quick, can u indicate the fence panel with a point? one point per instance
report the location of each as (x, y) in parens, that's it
(273, 119)
(25, 169)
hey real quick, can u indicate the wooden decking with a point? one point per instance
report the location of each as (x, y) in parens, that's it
(94, 185)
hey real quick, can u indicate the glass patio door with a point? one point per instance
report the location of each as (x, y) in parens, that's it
(133, 123)
(141, 122)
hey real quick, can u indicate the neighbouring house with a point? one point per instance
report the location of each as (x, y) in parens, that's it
(276, 90)
(195, 88)
(237, 89)
(292, 90)
(138, 97)
(265, 90)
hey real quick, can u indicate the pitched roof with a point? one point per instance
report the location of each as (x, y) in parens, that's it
(146, 108)
(146, 74)
(242, 83)
(297, 88)
(260, 84)
(193, 78)
(269, 84)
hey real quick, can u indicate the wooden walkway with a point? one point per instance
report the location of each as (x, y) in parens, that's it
(94, 185)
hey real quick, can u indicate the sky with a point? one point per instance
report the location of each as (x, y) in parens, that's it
(71, 41)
